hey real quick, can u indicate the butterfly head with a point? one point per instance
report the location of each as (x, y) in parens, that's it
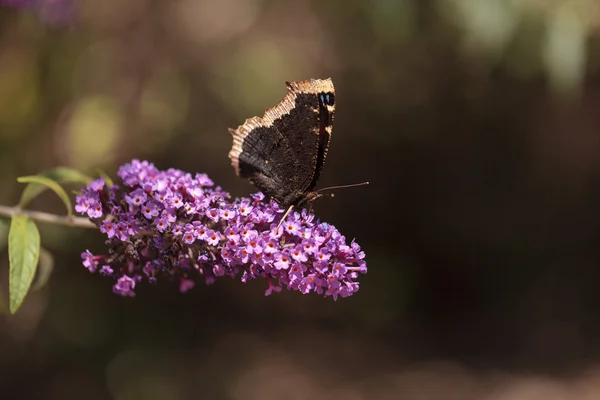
(305, 200)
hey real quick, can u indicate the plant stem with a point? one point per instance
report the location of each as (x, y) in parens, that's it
(78, 222)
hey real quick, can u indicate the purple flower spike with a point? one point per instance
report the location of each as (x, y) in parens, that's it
(174, 226)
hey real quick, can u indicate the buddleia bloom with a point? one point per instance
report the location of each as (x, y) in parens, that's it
(174, 226)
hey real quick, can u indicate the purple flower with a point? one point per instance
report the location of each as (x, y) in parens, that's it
(254, 245)
(298, 254)
(245, 208)
(94, 208)
(308, 283)
(213, 214)
(174, 226)
(309, 246)
(90, 261)
(161, 224)
(247, 232)
(108, 227)
(321, 266)
(243, 255)
(106, 270)
(175, 200)
(136, 198)
(188, 236)
(151, 209)
(227, 214)
(322, 255)
(339, 270)
(121, 232)
(213, 238)
(271, 246)
(296, 273)
(124, 286)
(291, 228)
(231, 233)
(177, 230)
(282, 260)
(82, 204)
(97, 185)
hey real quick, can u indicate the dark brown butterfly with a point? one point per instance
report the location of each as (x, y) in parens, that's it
(283, 152)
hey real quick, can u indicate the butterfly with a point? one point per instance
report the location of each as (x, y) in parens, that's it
(283, 152)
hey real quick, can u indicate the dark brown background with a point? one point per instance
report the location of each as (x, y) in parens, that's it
(477, 124)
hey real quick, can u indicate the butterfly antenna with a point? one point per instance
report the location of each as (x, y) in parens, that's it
(343, 186)
(289, 210)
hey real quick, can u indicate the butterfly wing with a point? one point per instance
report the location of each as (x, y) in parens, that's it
(283, 152)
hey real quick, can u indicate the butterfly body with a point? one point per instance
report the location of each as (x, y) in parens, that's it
(283, 152)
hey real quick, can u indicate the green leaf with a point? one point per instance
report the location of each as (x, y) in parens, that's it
(59, 174)
(23, 254)
(44, 269)
(104, 175)
(52, 185)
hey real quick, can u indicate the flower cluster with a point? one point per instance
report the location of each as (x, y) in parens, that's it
(172, 225)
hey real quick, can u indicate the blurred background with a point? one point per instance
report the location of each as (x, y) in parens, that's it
(476, 122)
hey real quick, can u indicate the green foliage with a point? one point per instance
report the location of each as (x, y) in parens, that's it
(26, 257)
(58, 174)
(52, 185)
(23, 253)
